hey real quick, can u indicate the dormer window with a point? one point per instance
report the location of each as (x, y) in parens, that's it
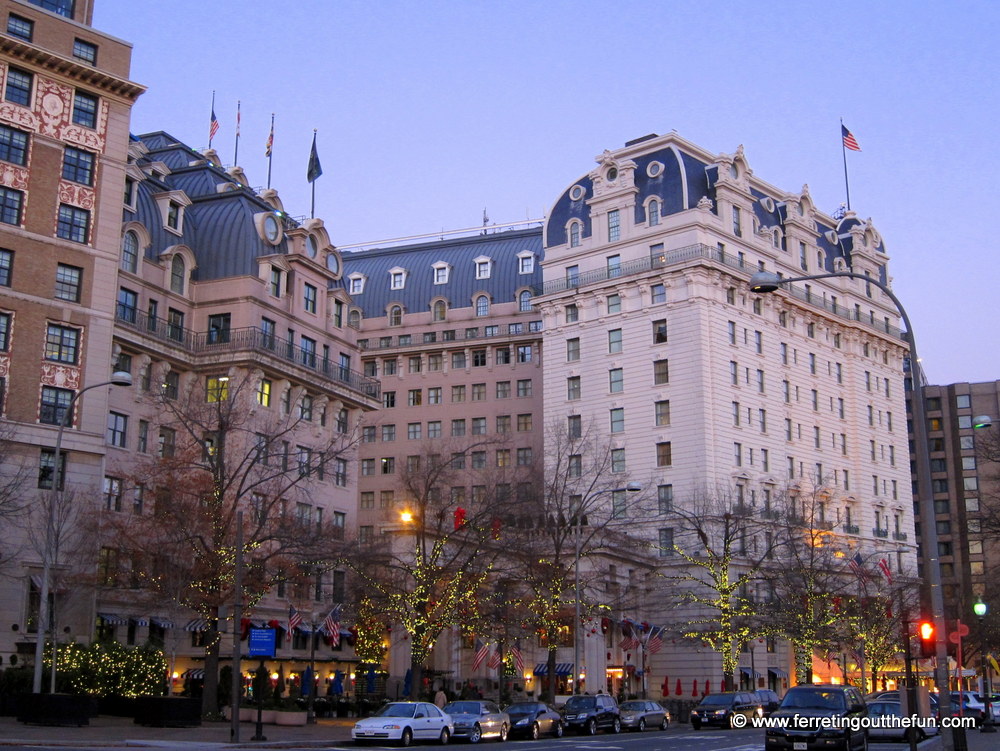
(442, 272)
(653, 213)
(397, 278)
(524, 301)
(574, 235)
(396, 315)
(356, 284)
(439, 310)
(482, 306)
(178, 273)
(484, 267)
(525, 262)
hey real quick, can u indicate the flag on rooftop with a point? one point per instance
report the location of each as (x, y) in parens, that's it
(850, 142)
(213, 126)
(315, 169)
(270, 139)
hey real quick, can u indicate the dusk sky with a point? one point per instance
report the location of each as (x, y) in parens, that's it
(428, 112)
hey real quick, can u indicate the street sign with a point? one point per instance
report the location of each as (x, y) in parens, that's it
(262, 642)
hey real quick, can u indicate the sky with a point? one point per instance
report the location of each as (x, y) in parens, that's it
(428, 112)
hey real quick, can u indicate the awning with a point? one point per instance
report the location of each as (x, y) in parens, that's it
(562, 668)
(197, 624)
(140, 621)
(750, 673)
(194, 673)
(112, 620)
(777, 672)
(161, 622)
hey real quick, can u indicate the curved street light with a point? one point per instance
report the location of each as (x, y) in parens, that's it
(767, 281)
(118, 378)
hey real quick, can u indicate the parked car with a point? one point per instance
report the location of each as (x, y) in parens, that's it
(588, 714)
(641, 714)
(819, 701)
(883, 708)
(769, 700)
(720, 709)
(476, 720)
(534, 719)
(404, 721)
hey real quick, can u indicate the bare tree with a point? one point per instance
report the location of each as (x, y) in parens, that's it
(16, 479)
(220, 452)
(724, 543)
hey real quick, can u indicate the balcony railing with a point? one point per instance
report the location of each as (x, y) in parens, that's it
(899, 536)
(663, 259)
(481, 335)
(880, 532)
(251, 339)
(851, 529)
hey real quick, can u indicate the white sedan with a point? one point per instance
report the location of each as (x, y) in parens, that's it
(405, 722)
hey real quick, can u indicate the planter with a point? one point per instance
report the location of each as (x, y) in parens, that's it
(248, 714)
(290, 717)
(55, 709)
(266, 716)
(168, 711)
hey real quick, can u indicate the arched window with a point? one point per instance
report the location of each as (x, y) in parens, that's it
(482, 306)
(574, 235)
(776, 239)
(354, 319)
(524, 301)
(653, 213)
(177, 273)
(130, 252)
(439, 310)
(395, 316)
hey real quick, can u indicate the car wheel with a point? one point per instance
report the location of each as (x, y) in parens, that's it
(445, 735)
(559, 730)
(406, 738)
(642, 724)
(591, 726)
(696, 725)
(664, 724)
(616, 726)
(476, 734)
(503, 733)
(535, 731)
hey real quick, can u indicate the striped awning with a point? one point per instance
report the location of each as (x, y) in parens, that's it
(562, 668)
(777, 672)
(195, 673)
(140, 621)
(161, 622)
(112, 620)
(197, 624)
(750, 673)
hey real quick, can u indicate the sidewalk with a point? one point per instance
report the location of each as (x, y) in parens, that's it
(122, 731)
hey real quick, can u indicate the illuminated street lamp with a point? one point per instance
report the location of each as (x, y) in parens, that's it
(118, 378)
(767, 281)
(980, 608)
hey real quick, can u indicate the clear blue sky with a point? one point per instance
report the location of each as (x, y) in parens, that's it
(430, 111)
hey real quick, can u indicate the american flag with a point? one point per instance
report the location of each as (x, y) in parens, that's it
(850, 142)
(495, 659)
(213, 126)
(332, 625)
(482, 650)
(294, 618)
(655, 640)
(629, 641)
(856, 565)
(883, 566)
(518, 658)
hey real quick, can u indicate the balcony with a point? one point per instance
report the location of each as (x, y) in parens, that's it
(851, 529)
(883, 533)
(249, 339)
(899, 536)
(451, 337)
(700, 252)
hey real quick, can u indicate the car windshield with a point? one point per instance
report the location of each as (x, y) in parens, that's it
(634, 706)
(396, 710)
(718, 699)
(463, 707)
(814, 699)
(581, 702)
(521, 708)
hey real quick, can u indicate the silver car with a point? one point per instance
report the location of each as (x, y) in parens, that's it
(476, 720)
(640, 714)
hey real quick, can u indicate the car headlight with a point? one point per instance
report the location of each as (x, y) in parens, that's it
(391, 727)
(720, 711)
(522, 721)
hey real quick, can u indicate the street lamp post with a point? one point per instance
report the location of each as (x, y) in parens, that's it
(118, 378)
(766, 281)
(980, 608)
(577, 521)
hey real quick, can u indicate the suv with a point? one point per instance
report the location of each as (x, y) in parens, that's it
(768, 699)
(819, 702)
(720, 709)
(588, 714)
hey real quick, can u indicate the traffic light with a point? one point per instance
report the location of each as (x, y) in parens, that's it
(925, 630)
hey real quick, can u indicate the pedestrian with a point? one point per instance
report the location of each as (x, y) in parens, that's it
(440, 698)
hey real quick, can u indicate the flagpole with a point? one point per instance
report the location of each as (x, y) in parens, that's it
(211, 129)
(270, 148)
(843, 150)
(236, 151)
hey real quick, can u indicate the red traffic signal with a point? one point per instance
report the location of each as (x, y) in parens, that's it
(928, 645)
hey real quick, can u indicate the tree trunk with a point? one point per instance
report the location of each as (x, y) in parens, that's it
(210, 691)
(416, 676)
(550, 673)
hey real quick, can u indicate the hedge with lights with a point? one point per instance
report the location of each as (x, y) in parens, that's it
(108, 669)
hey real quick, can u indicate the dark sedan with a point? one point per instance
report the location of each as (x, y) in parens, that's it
(534, 719)
(641, 714)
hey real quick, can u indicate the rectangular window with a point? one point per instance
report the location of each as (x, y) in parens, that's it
(18, 88)
(6, 268)
(479, 392)
(573, 388)
(614, 227)
(216, 388)
(657, 294)
(54, 404)
(616, 380)
(85, 110)
(523, 353)
(309, 298)
(662, 412)
(666, 541)
(478, 426)
(665, 498)
(660, 332)
(503, 424)
(11, 202)
(524, 458)
(112, 493)
(62, 344)
(524, 387)
(68, 282)
(615, 341)
(73, 223)
(78, 166)
(414, 431)
(457, 428)
(617, 420)
(661, 371)
(617, 460)
(20, 27)
(264, 392)
(85, 51)
(117, 429)
(664, 457)
(13, 145)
